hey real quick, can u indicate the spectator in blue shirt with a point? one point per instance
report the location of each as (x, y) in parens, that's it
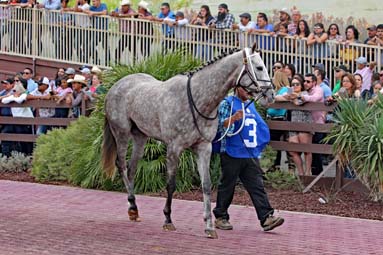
(28, 75)
(50, 5)
(263, 29)
(166, 15)
(321, 74)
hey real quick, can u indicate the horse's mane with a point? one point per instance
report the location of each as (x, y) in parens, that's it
(212, 61)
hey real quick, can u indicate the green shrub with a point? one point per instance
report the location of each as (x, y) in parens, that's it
(358, 140)
(16, 163)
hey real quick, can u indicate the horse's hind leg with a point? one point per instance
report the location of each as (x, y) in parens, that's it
(127, 174)
(173, 154)
(139, 141)
(203, 152)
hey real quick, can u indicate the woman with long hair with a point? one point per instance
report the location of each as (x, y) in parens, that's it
(203, 18)
(281, 83)
(303, 30)
(299, 116)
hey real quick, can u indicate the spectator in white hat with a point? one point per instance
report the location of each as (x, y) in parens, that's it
(42, 93)
(366, 71)
(70, 72)
(284, 18)
(143, 10)
(87, 74)
(126, 41)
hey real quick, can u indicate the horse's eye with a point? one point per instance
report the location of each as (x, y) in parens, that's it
(259, 68)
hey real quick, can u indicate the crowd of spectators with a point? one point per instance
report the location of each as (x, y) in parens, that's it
(363, 84)
(68, 87)
(291, 24)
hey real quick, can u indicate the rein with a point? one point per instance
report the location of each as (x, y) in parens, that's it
(254, 82)
(193, 107)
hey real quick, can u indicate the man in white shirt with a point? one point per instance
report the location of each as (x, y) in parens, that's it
(180, 31)
(366, 71)
(245, 25)
(42, 93)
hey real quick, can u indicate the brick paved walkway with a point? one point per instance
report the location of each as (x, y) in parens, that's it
(44, 219)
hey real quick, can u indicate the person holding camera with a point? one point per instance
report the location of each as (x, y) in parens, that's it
(42, 93)
(294, 94)
(204, 18)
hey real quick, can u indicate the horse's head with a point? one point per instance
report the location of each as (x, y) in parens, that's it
(254, 77)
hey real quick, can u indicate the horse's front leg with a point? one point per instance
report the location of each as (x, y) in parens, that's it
(203, 152)
(173, 154)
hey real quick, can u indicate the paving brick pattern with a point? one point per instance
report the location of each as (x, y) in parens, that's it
(45, 219)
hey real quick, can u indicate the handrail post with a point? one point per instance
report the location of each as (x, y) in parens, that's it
(34, 26)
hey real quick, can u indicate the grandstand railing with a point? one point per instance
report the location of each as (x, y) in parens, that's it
(104, 40)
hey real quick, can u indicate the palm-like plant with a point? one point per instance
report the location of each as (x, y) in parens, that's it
(358, 140)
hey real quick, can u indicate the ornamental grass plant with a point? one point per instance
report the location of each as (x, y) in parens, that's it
(358, 141)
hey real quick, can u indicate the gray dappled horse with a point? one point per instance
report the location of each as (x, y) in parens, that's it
(175, 112)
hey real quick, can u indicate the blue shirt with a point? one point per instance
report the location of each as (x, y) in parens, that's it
(166, 30)
(271, 112)
(326, 90)
(52, 4)
(255, 135)
(99, 22)
(265, 41)
(101, 8)
(32, 85)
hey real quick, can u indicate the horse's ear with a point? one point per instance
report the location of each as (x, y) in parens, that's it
(244, 53)
(254, 48)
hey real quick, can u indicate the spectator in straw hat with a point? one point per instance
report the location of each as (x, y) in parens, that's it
(78, 95)
(124, 25)
(371, 31)
(96, 70)
(143, 10)
(145, 29)
(284, 18)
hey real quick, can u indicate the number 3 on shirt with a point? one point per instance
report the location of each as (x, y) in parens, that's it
(252, 124)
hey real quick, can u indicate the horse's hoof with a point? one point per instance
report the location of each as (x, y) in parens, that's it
(169, 227)
(133, 215)
(212, 234)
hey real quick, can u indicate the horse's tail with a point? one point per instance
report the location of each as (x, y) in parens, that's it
(109, 150)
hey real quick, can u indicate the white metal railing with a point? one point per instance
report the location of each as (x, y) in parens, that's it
(105, 40)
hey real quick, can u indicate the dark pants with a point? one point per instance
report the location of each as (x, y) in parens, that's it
(317, 164)
(250, 173)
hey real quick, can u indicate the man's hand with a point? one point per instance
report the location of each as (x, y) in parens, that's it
(238, 115)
